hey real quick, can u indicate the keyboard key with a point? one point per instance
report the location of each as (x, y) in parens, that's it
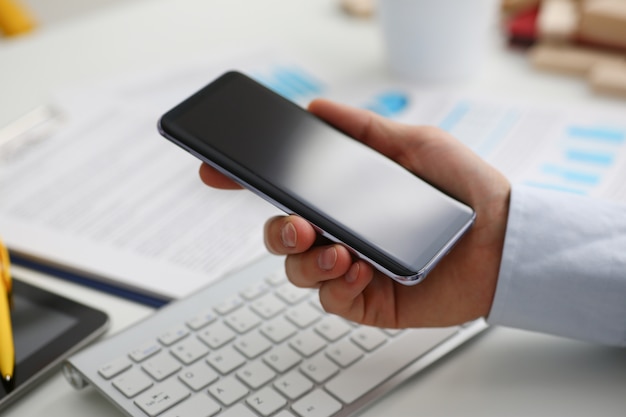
(199, 321)
(285, 413)
(228, 390)
(319, 368)
(161, 366)
(198, 376)
(242, 320)
(115, 367)
(173, 335)
(344, 353)
(256, 374)
(316, 404)
(240, 410)
(200, 405)
(266, 401)
(255, 291)
(229, 305)
(189, 350)
(303, 315)
(307, 343)
(132, 382)
(333, 328)
(293, 385)
(145, 351)
(278, 329)
(268, 306)
(162, 397)
(369, 338)
(216, 335)
(292, 295)
(253, 344)
(282, 358)
(383, 363)
(226, 360)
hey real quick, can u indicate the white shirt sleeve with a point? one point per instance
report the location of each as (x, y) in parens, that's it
(563, 268)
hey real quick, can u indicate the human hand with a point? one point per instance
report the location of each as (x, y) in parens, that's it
(460, 288)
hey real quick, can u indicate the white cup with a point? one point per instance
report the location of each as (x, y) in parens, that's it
(435, 40)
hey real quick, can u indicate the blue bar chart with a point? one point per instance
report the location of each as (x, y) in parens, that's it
(582, 158)
(390, 103)
(571, 152)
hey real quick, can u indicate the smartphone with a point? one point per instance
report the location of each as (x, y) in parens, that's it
(350, 193)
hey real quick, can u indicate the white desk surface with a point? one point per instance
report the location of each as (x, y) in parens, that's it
(505, 372)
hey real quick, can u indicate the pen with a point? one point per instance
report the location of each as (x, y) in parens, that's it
(7, 349)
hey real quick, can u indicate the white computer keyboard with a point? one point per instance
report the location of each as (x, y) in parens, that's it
(252, 344)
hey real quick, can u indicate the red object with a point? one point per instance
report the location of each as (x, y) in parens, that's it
(522, 27)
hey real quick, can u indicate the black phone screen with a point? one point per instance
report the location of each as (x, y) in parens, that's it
(351, 192)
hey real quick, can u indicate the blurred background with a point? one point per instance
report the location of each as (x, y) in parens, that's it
(49, 12)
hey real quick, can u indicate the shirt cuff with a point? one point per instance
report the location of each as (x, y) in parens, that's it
(563, 268)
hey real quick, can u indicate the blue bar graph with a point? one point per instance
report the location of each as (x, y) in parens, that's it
(606, 134)
(389, 104)
(571, 175)
(585, 155)
(598, 158)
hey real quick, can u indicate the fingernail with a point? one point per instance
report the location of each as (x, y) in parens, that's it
(327, 259)
(288, 235)
(352, 273)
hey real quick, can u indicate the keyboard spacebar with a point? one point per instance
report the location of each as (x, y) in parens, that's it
(383, 363)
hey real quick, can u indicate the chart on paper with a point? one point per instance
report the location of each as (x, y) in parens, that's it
(569, 150)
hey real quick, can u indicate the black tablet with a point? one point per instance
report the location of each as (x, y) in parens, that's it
(47, 328)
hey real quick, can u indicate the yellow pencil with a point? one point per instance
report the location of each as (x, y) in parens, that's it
(5, 269)
(7, 348)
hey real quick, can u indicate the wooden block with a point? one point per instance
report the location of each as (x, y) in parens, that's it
(608, 78)
(569, 59)
(358, 8)
(604, 21)
(558, 20)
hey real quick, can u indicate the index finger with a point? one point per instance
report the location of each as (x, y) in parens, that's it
(213, 178)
